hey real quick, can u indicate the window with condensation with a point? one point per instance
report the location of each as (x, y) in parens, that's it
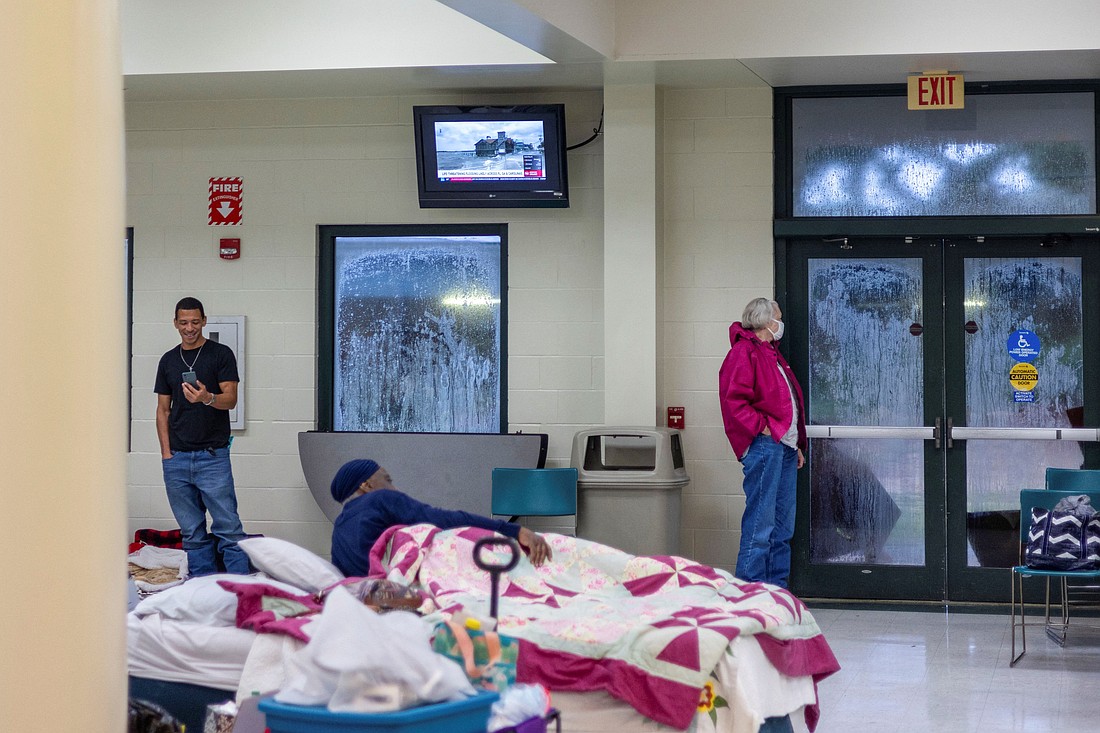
(1004, 154)
(412, 324)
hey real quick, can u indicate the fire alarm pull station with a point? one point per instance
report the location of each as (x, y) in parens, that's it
(676, 417)
(230, 249)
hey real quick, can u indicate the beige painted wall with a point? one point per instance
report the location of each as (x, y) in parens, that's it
(62, 375)
(350, 161)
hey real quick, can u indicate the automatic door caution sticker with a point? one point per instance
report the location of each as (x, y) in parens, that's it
(1023, 376)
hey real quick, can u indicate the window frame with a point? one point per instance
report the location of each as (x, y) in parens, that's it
(327, 239)
(788, 224)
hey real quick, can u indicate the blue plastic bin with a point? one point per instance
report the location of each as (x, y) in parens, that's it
(470, 715)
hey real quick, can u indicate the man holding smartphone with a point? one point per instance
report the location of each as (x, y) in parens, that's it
(196, 387)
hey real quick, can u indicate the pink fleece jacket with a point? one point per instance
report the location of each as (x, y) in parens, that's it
(753, 394)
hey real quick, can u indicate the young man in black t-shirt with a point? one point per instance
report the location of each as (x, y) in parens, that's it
(196, 386)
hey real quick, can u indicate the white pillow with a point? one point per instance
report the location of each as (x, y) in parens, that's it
(289, 563)
(202, 601)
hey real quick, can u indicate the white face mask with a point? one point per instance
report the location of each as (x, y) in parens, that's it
(778, 333)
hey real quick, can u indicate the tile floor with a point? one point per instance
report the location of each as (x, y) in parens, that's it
(947, 672)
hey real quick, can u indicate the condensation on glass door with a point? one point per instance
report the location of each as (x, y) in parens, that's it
(866, 368)
(1001, 297)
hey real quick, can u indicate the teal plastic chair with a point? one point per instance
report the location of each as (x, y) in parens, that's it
(1056, 630)
(534, 492)
(1073, 479)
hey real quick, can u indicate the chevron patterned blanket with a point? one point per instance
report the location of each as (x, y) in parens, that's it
(648, 630)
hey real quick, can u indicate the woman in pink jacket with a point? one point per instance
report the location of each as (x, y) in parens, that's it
(764, 420)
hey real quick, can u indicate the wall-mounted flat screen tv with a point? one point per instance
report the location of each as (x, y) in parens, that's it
(487, 157)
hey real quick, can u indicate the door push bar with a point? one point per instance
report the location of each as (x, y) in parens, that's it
(1082, 435)
(944, 431)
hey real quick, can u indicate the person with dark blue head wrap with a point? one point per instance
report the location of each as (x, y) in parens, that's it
(372, 505)
(350, 476)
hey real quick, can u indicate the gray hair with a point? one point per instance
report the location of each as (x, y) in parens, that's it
(758, 314)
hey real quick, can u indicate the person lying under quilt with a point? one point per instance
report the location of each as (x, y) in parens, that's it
(683, 644)
(372, 505)
(668, 636)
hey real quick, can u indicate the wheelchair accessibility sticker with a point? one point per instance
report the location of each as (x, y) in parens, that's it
(1023, 345)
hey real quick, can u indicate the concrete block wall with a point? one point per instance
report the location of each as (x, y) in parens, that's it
(334, 161)
(717, 256)
(350, 161)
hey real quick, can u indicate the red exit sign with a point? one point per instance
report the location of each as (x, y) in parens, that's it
(936, 90)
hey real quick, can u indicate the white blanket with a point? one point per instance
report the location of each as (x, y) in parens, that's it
(150, 557)
(179, 651)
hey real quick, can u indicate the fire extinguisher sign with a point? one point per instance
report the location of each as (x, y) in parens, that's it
(225, 201)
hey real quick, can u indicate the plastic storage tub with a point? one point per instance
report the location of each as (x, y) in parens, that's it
(464, 716)
(629, 482)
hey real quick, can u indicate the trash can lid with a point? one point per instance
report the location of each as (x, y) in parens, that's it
(623, 480)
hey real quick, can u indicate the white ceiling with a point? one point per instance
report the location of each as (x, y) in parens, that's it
(203, 36)
(425, 80)
(243, 49)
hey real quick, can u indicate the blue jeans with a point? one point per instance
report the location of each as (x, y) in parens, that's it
(197, 482)
(771, 478)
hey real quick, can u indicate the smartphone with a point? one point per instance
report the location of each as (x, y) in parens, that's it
(191, 379)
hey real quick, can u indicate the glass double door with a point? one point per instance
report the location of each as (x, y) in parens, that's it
(941, 377)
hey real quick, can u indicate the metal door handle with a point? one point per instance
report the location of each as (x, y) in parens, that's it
(936, 431)
(950, 442)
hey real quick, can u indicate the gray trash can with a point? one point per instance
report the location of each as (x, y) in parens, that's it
(629, 482)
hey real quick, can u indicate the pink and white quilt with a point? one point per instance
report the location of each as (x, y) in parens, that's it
(648, 630)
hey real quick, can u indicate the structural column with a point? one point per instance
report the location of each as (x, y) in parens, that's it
(63, 369)
(631, 249)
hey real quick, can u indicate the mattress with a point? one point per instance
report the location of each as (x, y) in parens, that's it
(180, 651)
(185, 636)
(236, 660)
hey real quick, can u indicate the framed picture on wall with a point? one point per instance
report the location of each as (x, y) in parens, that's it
(412, 328)
(229, 330)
